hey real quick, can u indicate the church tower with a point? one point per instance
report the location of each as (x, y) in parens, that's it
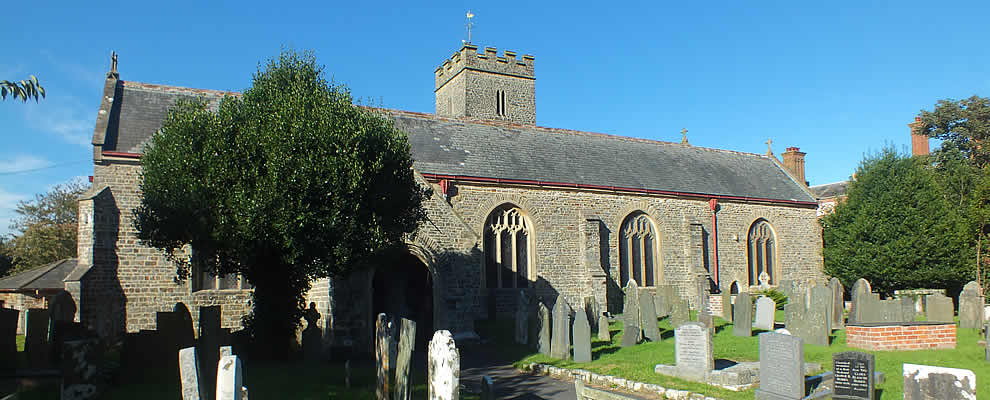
(486, 86)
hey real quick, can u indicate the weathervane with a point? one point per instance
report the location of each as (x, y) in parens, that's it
(469, 24)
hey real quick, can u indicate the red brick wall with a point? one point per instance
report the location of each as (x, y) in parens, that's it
(897, 337)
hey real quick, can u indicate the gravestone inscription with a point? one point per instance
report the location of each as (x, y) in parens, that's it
(648, 317)
(693, 350)
(781, 366)
(743, 319)
(853, 375)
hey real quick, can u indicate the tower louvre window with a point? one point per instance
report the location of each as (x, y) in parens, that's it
(500, 103)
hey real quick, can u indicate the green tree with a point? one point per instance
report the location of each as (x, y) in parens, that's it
(962, 125)
(47, 227)
(25, 89)
(288, 183)
(6, 257)
(897, 229)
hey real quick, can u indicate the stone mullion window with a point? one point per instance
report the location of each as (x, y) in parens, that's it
(638, 251)
(762, 253)
(507, 245)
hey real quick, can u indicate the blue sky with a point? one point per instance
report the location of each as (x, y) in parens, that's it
(837, 80)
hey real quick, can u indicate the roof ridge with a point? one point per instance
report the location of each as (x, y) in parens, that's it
(830, 183)
(557, 130)
(173, 88)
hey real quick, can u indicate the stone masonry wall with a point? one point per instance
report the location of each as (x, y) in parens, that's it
(22, 302)
(137, 276)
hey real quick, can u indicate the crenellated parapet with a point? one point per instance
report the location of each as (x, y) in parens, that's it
(468, 57)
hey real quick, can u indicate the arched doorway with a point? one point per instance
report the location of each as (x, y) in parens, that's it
(403, 288)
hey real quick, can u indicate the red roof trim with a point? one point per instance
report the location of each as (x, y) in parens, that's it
(121, 154)
(614, 189)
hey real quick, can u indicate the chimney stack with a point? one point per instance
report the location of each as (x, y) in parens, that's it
(919, 142)
(793, 160)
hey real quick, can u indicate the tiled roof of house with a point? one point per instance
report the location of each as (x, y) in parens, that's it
(47, 277)
(830, 189)
(489, 149)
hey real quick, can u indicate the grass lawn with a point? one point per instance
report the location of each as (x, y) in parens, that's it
(637, 362)
(20, 342)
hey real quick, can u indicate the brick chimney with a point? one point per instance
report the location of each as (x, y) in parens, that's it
(919, 143)
(794, 162)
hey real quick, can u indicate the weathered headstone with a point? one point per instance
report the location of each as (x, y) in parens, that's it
(522, 319)
(229, 379)
(853, 375)
(209, 344)
(838, 309)
(582, 338)
(787, 287)
(443, 381)
(816, 319)
(81, 360)
(925, 382)
(629, 334)
(727, 299)
(226, 351)
(592, 311)
(385, 362)
(794, 317)
(543, 344)
(631, 307)
(36, 338)
(938, 308)
(662, 300)
(679, 312)
(860, 290)
(487, 388)
(907, 309)
(743, 318)
(765, 309)
(8, 337)
(781, 367)
(192, 386)
(407, 341)
(560, 341)
(693, 351)
(648, 317)
(971, 306)
(603, 332)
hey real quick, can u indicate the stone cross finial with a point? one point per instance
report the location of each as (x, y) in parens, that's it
(769, 151)
(684, 132)
(113, 66)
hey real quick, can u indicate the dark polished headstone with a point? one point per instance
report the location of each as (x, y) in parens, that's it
(853, 376)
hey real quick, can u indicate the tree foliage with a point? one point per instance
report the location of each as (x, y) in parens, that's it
(47, 227)
(897, 228)
(962, 125)
(288, 183)
(25, 89)
(6, 257)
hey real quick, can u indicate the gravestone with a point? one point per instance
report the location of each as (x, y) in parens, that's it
(679, 312)
(603, 332)
(662, 301)
(860, 290)
(209, 344)
(938, 308)
(312, 336)
(971, 306)
(192, 387)
(560, 341)
(648, 317)
(407, 341)
(693, 351)
(229, 379)
(925, 382)
(853, 376)
(631, 306)
(629, 339)
(487, 388)
(816, 318)
(794, 314)
(765, 309)
(787, 287)
(838, 309)
(543, 344)
(37, 339)
(592, 311)
(727, 299)
(384, 355)
(522, 319)
(582, 338)
(444, 372)
(781, 367)
(8, 337)
(743, 316)
(81, 361)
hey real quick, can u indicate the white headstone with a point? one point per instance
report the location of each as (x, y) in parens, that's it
(444, 367)
(765, 308)
(229, 380)
(189, 374)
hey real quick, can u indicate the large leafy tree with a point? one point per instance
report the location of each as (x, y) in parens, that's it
(288, 183)
(24, 89)
(47, 227)
(6, 258)
(897, 228)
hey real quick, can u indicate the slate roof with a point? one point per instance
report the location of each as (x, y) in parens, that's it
(830, 189)
(48, 277)
(488, 149)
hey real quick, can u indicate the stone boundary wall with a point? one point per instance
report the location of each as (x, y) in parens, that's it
(614, 382)
(901, 337)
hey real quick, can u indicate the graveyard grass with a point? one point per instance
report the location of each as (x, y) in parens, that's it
(20, 342)
(637, 362)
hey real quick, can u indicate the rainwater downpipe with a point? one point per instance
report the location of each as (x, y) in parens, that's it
(713, 203)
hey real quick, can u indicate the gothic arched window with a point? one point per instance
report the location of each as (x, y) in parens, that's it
(638, 251)
(762, 253)
(508, 245)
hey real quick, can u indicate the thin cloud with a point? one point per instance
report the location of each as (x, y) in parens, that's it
(8, 203)
(22, 163)
(70, 123)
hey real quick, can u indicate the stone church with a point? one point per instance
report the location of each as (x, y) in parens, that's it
(556, 213)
